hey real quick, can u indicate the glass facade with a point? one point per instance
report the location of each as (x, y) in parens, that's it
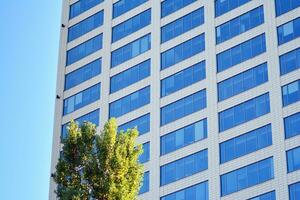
(182, 51)
(224, 6)
(146, 183)
(284, 6)
(291, 125)
(183, 79)
(183, 107)
(183, 137)
(240, 24)
(84, 49)
(288, 31)
(145, 156)
(170, 6)
(83, 74)
(141, 123)
(243, 82)
(182, 25)
(247, 176)
(130, 76)
(293, 159)
(183, 167)
(291, 93)
(289, 61)
(246, 143)
(294, 191)
(130, 102)
(265, 196)
(81, 99)
(241, 53)
(131, 25)
(82, 6)
(123, 6)
(244, 112)
(130, 50)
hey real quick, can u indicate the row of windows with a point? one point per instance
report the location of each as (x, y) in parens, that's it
(141, 123)
(145, 156)
(265, 196)
(84, 49)
(81, 99)
(284, 6)
(183, 79)
(183, 167)
(240, 24)
(293, 159)
(83, 74)
(243, 82)
(122, 6)
(170, 6)
(182, 51)
(182, 25)
(241, 52)
(183, 137)
(145, 183)
(224, 6)
(289, 61)
(85, 26)
(198, 191)
(294, 191)
(291, 125)
(130, 102)
(130, 50)
(131, 25)
(247, 176)
(183, 107)
(289, 31)
(244, 112)
(130, 76)
(246, 143)
(92, 117)
(291, 93)
(82, 6)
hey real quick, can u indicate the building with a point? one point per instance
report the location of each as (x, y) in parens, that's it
(213, 86)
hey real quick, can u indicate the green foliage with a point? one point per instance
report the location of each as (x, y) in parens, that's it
(104, 167)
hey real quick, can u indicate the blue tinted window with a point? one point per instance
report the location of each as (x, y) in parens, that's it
(145, 156)
(199, 192)
(85, 26)
(145, 184)
(81, 99)
(244, 112)
(246, 143)
(183, 107)
(291, 93)
(291, 125)
(130, 76)
(83, 74)
(130, 50)
(142, 124)
(182, 51)
(131, 25)
(288, 31)
(182, 25)
(224, 6)
(240, 24)
(82, 6)
(243, 82)
(84, 49)
(170, 6)
(294, 191)
(241, 52)
(283, 6)
(183, 79)
(92, 117)
(122, 6)
(289, 61)
(293, 159)
(183, 137)
(130, 102)
(183, 167)
(265, 196)
(247, 176)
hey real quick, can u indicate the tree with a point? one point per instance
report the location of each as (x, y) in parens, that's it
(103, 167)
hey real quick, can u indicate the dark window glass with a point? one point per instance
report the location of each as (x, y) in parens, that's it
(145, 156)
(288, 31)
(170, 6)
(290, 61)
(291, 125)
(266, 196)
(81, 99)
(130, 76)
(122, 6)
(145, 184)
(82, 6)
(294, 191)
(224, 6)
(284, 6)
(183, 167)
(293, 159)
(291, 93)
(142, 124)
(83, 74)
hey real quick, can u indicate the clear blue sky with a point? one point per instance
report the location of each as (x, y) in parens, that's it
(29, 37)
